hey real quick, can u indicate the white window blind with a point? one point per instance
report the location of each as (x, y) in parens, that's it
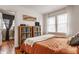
(58, 23)
(62, 23)
(51, 24)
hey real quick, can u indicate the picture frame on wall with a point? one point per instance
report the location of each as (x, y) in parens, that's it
(29, 18)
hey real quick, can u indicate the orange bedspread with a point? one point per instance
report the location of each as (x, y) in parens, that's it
(50, 46)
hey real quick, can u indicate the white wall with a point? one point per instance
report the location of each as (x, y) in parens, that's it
(0, 29)
(45, 17)
(73, 19)
(19, 12)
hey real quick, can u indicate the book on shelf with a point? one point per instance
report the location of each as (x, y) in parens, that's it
(28, 35)
(27, 29)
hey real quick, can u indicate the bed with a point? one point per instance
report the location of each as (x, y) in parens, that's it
(53, 45)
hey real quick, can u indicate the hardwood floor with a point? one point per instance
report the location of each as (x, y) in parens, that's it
(18, 51)
(7, 47)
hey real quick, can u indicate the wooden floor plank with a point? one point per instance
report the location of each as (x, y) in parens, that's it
(7, 47)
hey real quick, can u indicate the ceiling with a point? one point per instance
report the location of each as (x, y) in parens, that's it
(44, 8)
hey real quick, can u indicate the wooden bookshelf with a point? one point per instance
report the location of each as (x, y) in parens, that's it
(23, 33)
(36, 31)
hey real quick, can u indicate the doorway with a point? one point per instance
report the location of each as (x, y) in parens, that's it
(8, 26)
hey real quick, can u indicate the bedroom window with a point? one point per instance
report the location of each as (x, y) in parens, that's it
(62, 23)
(51, 24)
(57, 23)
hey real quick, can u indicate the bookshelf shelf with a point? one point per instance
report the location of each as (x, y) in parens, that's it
(36, 31)
(23, 33)
(27, 32)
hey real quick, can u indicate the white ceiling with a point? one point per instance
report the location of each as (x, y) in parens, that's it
(44, 8)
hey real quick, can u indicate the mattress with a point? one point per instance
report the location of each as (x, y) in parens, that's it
(50, 46)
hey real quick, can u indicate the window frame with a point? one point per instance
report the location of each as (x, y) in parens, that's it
(56, 20)
(48, 25)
